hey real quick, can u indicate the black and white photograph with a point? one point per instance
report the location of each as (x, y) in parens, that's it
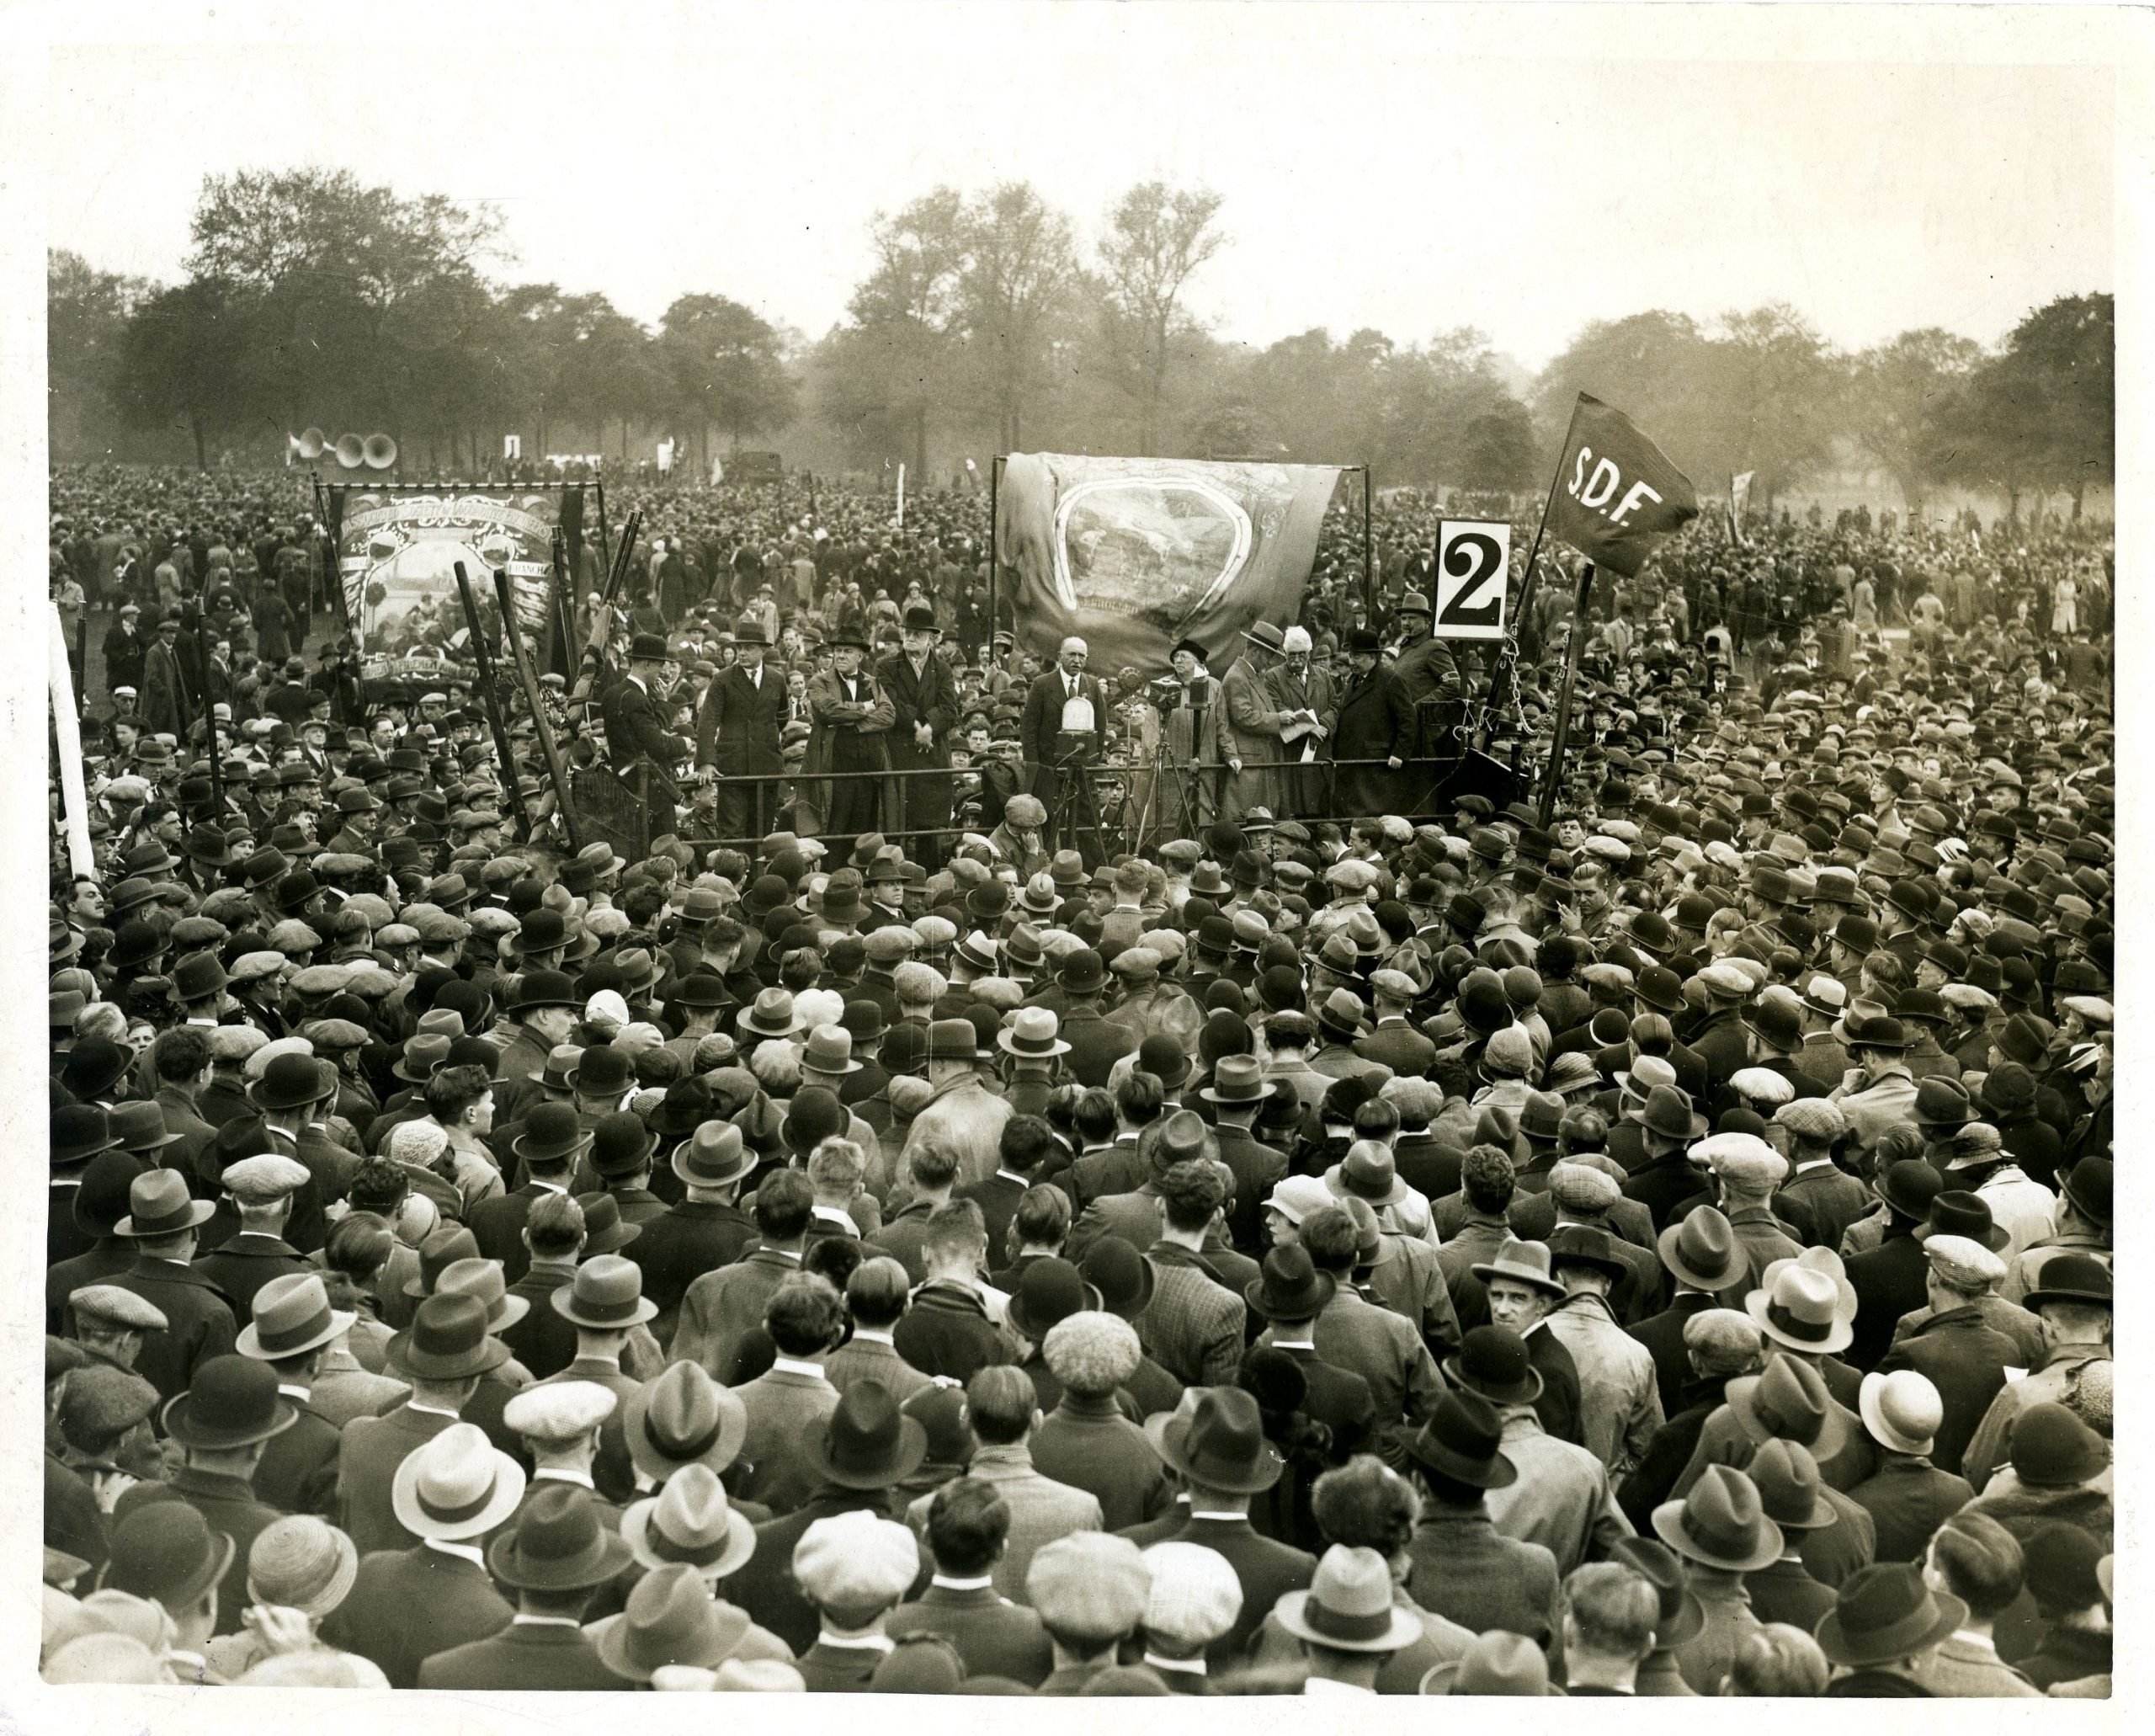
(1059, 850)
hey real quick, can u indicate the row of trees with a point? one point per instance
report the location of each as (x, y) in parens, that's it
(987, 323)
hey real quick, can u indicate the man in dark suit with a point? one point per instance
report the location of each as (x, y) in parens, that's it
(1096, 1041)
(643, 753)
(1290, 1296)
(968, 1526)
(738, 734)
(707, 1230)
(1237, 1092)
(554, 1138)
(161, 1226)
(920, 685)
(224, 1422)
(555, 1557)
(555, 1235)
(1704, 1265)
(1891, 1278)
(293, 1325)
(1193, 1326)
(1025, 1144)
(443, 1355)
(1067, 694)
(407, 1603)
(261, 1188)
(1964, 1359)
(1220, 1453)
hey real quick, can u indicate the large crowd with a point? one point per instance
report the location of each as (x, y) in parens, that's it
(1230, 1210)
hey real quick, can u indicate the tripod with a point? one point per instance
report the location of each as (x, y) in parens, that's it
(1074, 797)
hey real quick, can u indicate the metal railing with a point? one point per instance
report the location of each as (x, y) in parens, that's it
(1111, 820)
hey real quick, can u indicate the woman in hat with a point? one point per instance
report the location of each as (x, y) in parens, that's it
(852, 715)
(1195, 743)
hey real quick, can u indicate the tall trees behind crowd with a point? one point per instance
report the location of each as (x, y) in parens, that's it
(989, 320)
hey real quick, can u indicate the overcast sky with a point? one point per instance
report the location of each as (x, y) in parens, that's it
(1409, 169)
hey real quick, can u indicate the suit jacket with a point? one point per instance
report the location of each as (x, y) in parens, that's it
(1562, 1500)
(1042, 721)
(1087, 1443)
(1383, 1348)
(994, 1636)
(1661, 1185)
(523, 1659)
(1907, 1499)
(1096, 1043)
(720, 1309)
(1967, 1362)
(737, 725)
(635, 729)
(1822, 1203)
(997, 1198)
(1663, 1334)
(1338, 1398)
(1889, 1279)
(1041, 1510)
(298, 1471)
(1267, 1568)
(930, 697)
(407, 1604)
(345, 1388)
(199, 1322)
(784, 1407)
(1193, 1326)
(1465, 1571)
(681, 1244)
(369, 1451)
(544, 1342)
(230, 1506)
(244, 1265)
(1258, 1169)
(946, 1332)
(860, 1359)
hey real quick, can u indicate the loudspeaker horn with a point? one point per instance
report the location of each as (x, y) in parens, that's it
(379, 451)
(351, 452)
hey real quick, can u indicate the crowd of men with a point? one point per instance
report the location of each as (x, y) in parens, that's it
(1289, 1241)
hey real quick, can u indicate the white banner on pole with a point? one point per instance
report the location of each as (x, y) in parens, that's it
(901, 497)
(67, 742)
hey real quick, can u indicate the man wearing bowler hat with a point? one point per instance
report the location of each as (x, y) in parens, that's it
(737, 735)
(642, 751)
(918, 681)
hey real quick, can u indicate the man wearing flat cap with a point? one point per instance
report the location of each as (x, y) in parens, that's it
(1963, 1358)
(261, 1189)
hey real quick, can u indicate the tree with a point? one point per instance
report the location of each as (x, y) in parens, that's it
(889, 373)
(1158, 239)
(1903, 400)
(1771, 394)
(1019, 261)
(724, 363)
(86, 312)
(2048, 400)
(607, 368)
(184, 352)
(1499, 451)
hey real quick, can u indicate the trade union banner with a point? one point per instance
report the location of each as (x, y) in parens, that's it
(396, 553)
(1133, 554)
(1616, 494)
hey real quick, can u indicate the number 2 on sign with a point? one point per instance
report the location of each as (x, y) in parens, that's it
(1473, 570)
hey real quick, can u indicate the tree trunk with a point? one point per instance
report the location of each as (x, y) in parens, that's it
(2078, 490)
(920, 441)
(201, 446)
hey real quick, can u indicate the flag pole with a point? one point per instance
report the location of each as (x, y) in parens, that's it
(1526, 579)
(1553, 779)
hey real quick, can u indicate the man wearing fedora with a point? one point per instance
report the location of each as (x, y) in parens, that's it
(960, 1112)
(606, 1302)
(720, 1308)
(1720, 1530)
(1464, 1569)
(223, 1423)
(292, 1325)
(444, 1353)
(1884, 1623)
(1619, 1392)
(705, 1229)
(1523, 1291)
(859, 1455)
(161, 1226)
(738, 734)
(554, 1557)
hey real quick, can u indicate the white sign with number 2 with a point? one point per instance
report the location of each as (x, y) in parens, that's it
(1473, 578)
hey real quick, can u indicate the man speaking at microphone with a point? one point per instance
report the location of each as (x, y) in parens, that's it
(1063, 732)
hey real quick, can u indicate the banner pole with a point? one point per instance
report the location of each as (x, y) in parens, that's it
(520, 661)
(1554, 777)
(210, 714)
(1525, 584)
(605, 539)
(67, 747)
(490, 698)
(1369, 569)
(994, 546)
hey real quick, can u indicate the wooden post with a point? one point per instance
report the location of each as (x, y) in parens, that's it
(520, 658)
(487, 696)
(1554, 776)
(210, 708)
(1369, 568)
